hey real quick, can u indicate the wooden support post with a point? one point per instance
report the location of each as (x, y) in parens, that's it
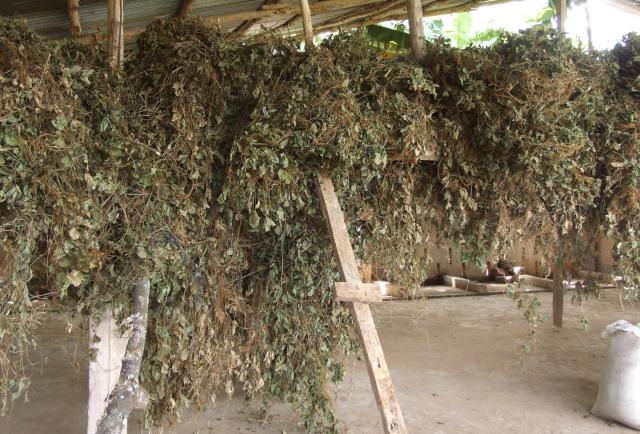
(307, 23)
(73, 9)
(561, 15)
(115, 37)
(558, 294)
(416, 32)
(185, 8)
(376, 365)
(587, 17)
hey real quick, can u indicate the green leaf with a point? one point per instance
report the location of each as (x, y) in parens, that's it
(60, 122)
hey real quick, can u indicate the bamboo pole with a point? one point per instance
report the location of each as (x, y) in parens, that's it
(307, 24)
(115, 36)
(416, 31)
(73, 9)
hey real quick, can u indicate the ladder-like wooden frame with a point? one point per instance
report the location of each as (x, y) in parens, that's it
(357, 295)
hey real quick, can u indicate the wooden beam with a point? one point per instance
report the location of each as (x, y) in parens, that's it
(287, 9)
(561, 15)
(287, 23)
(244, 28)
(307, 24)
(115, 36)
(385, 395)
(383, 11)
(73, 9)
(360, 292)
(558, 296)
(416, 31)
(397, 11)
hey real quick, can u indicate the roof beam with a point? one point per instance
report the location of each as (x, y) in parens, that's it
(372, 11)
(244, 28)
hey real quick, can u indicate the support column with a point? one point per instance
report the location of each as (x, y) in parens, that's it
(416, 30)
(558, 293)
(73, 10)
(307, 23)
(561, 15)
(115, 35)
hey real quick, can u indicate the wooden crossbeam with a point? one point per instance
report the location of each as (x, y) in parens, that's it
(360, 292)
(384, 392)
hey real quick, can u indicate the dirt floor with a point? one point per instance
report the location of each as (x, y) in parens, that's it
(455, 363)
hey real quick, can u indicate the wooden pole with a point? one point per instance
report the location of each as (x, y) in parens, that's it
(185, 8)
(558, 290)
(307, 23)
(561, 15)
(416, 32)
(73, 9)
(588, 22)
(385, 395)
(115, 41)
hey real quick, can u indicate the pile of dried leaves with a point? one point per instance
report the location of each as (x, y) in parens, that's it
(195, 166)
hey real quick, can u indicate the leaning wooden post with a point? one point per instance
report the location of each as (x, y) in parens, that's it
(561, 15)
(357, 295)
(416, 31)
(307, 24)
(115, 32)
(73, 10)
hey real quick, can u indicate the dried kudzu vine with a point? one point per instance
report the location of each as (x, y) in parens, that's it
(195, 165)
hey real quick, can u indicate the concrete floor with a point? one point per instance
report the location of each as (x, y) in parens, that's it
(454, 361)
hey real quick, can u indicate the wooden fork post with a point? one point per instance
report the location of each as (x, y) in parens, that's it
(357, 295)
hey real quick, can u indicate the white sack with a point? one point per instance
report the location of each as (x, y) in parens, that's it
(619, 392)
